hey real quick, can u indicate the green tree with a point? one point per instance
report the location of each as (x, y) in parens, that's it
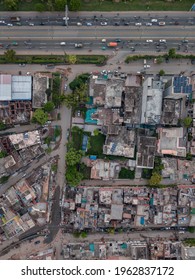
(75, 5)
(172, 53)
(161, 72)
(40, 116)
(10, 56)
(71, 58)
(50, 5)
(4, 179)
(155, 179)
(39, 7)
(111, 230)
(49, 106)
(11, 5)
(60, 5)
(3, 154)
(2, 126)
(78, 96)
(187, 121)
(83, 234)
(73, 177)
(189, 156)
(96, 132)
(76, 234)
(73, 156)
(79, 81)
(159, 59)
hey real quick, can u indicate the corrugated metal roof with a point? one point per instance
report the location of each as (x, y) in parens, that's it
(5, 87)
(21, 87)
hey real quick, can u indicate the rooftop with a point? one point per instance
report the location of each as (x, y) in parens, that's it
(21, 87)
(151, 101)
(146, 152)
(172, 111)
(26, 139)
(114, 90)
(40, 85)
(104, 169)
(120, 142)
(182, 84)
(172, 142)
(5, 87)
(132, 105)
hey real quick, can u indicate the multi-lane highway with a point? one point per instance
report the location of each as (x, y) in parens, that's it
(131, 37)
(98, 18)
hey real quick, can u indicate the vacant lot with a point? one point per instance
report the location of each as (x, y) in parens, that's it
(96, 145)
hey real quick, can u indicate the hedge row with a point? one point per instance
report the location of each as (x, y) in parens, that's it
(138, 57)
(55, 59)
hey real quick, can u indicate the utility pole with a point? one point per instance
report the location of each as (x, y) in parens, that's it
(66, 15)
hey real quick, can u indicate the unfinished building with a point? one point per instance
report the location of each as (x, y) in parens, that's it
(40, 85)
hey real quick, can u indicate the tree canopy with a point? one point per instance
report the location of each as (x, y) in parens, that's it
(161, 72)
(39, 7)
(40, 116)
(11, 5)
(73, 177)
(187, 121)
(10, 56)
(155, 179)
(49, 106)
(72, 58)
(78, 96)
(172, 53)
(73, 156)
(75, 5)
(60, 5)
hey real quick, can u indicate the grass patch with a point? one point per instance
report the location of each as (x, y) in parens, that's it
(108, 5)
(96, 145)
(77, 139)
(134, 5)
(85, 170)
(126, 174)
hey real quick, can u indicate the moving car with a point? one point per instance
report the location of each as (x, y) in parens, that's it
(138, 23)
(148, 24)
(162, 41)
(149, 41)
(63, 43)
(89, 24)
(78, 45)
(103, 23)
(154, 20)
(79, 23)
(161, 23)
(103, 40)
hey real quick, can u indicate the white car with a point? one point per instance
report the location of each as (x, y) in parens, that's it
(103, 23)
(161, 23)
(79, 23)
(2, 21)
(146, 66)
(9, 24)
(89, 24)
(149, 41)
(162, 41)
(154, 20)
(62, 43)
(138, 23)
(148, 24)
(31, 24)
(103, 40)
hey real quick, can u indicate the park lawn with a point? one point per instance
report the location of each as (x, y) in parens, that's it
(96, 145)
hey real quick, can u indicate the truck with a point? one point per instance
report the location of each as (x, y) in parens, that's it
(112, 44)
(15, 19)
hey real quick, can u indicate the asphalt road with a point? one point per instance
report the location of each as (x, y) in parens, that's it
(87, 33)
(95, 18)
